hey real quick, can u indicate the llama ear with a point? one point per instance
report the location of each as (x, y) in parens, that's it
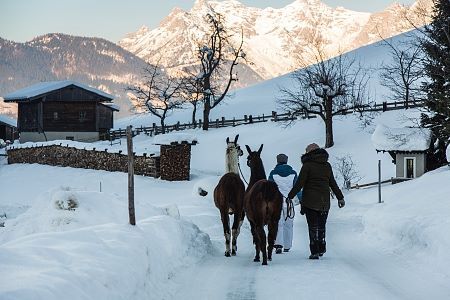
(236, 139)
(228, 140)
(248, 149)
(260, 149)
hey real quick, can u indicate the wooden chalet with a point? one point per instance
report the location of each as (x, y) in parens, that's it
(8, 128)
(408, 148)
(62, 110)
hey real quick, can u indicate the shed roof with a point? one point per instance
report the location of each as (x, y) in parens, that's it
(401, 139)
(42, 88)
(8, 121)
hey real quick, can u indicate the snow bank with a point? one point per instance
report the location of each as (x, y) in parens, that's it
(76, 245)
(413, 219)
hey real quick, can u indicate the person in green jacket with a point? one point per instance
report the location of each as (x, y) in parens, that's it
(315, 180)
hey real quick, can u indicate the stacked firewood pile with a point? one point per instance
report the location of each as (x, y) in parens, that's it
(175, 161)
(56, 155)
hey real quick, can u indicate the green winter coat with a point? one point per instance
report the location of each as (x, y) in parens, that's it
(316, 178)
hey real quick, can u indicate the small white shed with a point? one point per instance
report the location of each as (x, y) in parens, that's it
(408, 147)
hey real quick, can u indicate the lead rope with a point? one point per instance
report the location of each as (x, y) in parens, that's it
(290, 210)
(242, 175)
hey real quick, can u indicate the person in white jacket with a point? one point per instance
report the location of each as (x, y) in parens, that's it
(285, 177)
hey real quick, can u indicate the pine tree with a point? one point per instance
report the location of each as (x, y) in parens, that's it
(437, 67)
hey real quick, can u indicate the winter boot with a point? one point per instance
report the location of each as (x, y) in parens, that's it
(285, 250)
(314, 256)
(278, 249)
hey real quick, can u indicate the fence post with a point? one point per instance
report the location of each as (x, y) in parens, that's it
(234, 121)
(217, 123)
(379, 181)
(274, 116)
(245, 118)
(250, 119)
(223, 121)
(384, 106)
(131, 212)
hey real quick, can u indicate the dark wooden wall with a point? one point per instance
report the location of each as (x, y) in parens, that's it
(28, 117)
(71, 116)
(105, 118)
(73, 93)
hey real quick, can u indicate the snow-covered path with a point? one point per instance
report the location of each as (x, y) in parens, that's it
(351, 269)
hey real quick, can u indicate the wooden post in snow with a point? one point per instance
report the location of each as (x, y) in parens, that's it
(379, 181)
(131, 212)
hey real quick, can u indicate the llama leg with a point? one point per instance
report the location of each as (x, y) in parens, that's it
(236, 229)
(262, 243)
(271, 237)
(226, 232)
(255, 241)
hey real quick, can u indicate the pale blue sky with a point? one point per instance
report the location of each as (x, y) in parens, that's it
(22, 20)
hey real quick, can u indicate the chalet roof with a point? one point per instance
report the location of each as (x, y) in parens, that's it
(42, 88)
(401, 139)
(8, 121)
(111, 106)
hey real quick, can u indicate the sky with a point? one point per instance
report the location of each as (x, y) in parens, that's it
(22, 20)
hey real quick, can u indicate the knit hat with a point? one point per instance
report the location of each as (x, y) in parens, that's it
(312, 147)
(282, 158)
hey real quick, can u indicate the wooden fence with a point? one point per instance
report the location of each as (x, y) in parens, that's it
(249, 119)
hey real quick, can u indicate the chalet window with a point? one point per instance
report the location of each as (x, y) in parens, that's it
(410, 167)
(82, 116)
(55, 115)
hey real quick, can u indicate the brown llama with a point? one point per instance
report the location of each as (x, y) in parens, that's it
(262, 205)
(229, 197)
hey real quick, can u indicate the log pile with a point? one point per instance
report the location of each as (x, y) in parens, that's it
(175, 161)
(56, 155)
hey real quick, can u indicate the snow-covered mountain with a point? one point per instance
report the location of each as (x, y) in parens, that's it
(93, 61)
(272, 37)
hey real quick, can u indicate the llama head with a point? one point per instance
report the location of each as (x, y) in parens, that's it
(254, 157)
(233, 146)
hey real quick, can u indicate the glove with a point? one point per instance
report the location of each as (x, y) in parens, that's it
(341, 203)
(302, 212)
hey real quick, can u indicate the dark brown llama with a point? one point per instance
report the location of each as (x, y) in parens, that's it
(262, 205)
(229, 199)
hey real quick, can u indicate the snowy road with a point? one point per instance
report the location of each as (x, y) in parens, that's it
(351, 269)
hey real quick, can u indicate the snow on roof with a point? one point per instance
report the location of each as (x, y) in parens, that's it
(112, 106)
(165, 139)
(7, 120)
(401, 139)
(45, 87)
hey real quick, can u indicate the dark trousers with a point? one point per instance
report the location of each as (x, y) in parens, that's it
(316, 226)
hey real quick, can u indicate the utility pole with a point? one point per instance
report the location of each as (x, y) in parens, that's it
(131, 211)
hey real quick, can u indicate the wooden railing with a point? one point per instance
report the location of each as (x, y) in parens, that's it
(250, 119)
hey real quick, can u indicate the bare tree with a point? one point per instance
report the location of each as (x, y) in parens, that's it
(346, 170)
(326, 88)
(192, 93)
(217, 56)
(158, 93)
(403, 75)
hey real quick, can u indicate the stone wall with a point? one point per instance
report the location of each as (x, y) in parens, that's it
(56, 155)
(175, 161)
